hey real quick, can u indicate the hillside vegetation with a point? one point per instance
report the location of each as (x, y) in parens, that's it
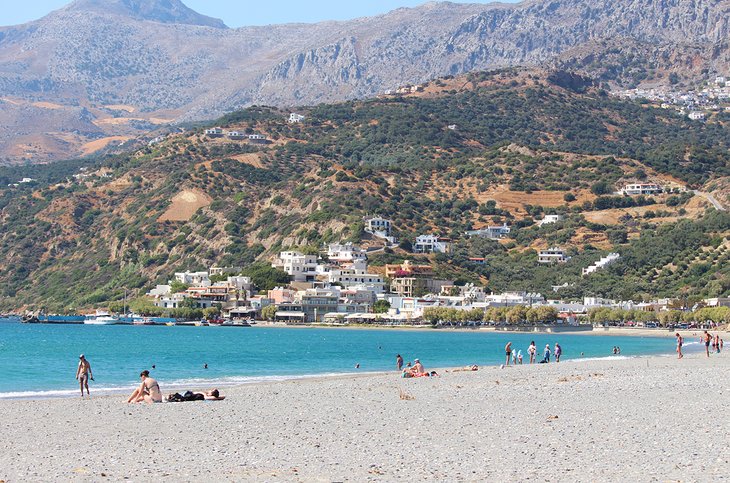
(521, 144)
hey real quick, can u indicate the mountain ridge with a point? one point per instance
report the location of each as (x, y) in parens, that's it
(132, 76)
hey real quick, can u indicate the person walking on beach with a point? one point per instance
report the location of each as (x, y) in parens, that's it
(399, 362)
(83, 374)
(532, 350)
(680, 341)
(558, 352)
(508, 351)
(707, 339)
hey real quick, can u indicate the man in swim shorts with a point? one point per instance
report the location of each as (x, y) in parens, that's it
(508, 351)
(83, 373)
(707, 339)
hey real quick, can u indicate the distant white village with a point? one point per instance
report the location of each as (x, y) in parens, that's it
(695, 104)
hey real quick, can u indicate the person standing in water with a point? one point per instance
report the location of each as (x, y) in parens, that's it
(508, 351)
(707, 338)
(680, 341)
(532, 350)
(546, 354)
(83, 374)
(399, 362)
(558, 352)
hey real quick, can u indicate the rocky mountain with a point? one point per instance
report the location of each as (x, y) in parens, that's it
(122, 67)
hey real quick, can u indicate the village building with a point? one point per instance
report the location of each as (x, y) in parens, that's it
(295, 118)
(193, 279)
(215, 132)
(547, 219)
(351, 277)
(302, 268)
(491, 232)
(697, 115)
(552, 255)
(431, 244)
(641, 189)
(603, 262)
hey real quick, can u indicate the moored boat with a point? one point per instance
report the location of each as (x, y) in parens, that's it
(101, 318)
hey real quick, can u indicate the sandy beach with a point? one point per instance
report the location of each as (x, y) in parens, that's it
(641, 419)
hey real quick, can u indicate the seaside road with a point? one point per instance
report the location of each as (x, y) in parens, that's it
(641, 419)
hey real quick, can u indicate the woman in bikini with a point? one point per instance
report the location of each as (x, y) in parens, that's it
(148, 391)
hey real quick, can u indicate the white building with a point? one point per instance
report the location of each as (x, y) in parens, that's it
(236, 135)
(547, 219)
(215, 132)
(379, 227)
(26, 180)
(641, 189)
(432, 243)
(697, 115)
(302, 268)
(257, 138)
(340, 253)
(552, 255)
(508, 299)
(608, 259)
(193, 279)
(348, 278)
(295, 118)
(491, 232)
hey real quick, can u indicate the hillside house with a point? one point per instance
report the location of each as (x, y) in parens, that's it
(302, 268)
(236, 135)
(215, 132)
(379, 227)
(608, 259)
(491, 232)
(257, 139)
(697, 116)
(349, 278)
(478, 260)
(345, 254)
(641, 189)
(193, 279)
(432, 244)
(552, 255)
(295, 118)
(547, 219)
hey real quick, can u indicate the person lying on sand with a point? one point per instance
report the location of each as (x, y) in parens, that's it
(148, 391)
(473, 367)
(212, 395)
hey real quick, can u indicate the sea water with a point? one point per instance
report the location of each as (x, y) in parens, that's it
(39, 360)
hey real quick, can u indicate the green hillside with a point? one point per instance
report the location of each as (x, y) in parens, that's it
(521, 144)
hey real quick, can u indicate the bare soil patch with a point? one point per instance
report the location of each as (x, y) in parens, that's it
(185, 204)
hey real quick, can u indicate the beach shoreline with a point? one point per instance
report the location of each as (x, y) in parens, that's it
(574, 420)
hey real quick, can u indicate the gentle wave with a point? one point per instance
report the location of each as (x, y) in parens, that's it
(175, 385)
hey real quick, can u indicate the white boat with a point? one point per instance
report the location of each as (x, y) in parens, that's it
(101, 318)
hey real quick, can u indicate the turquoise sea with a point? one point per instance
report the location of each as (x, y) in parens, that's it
(40, 360)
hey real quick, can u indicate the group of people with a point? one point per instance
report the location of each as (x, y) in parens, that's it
(148, 390)
(715, 342)
(616, 350)
(415, 370)
(516, 355)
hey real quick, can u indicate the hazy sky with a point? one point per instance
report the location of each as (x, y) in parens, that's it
(236, 13)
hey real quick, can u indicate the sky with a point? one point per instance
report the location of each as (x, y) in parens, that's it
(238, 13)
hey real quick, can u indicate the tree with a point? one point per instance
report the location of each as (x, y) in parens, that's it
(569, 197)
(177, 286)
(266, 277)
(517, 314)
(381, 306)
(268, 312)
